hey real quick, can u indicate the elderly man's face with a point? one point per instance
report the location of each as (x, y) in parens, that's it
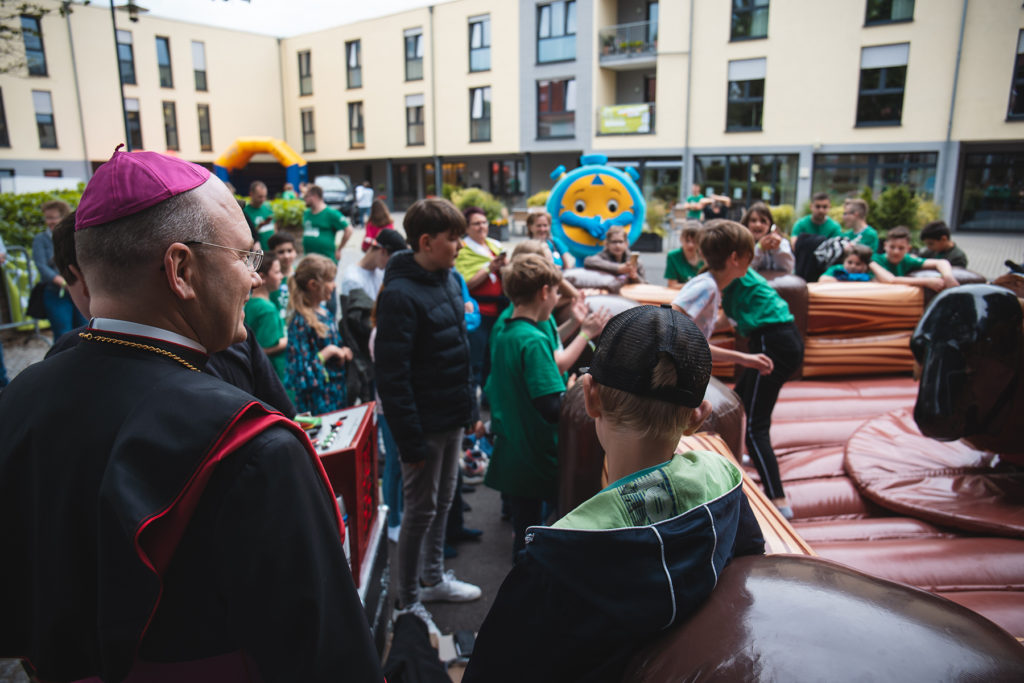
(224, 279)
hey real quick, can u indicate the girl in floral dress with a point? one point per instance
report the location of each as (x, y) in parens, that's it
(316, 355)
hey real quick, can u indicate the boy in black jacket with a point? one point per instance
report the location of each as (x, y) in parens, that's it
(423, 377)
(641, 555)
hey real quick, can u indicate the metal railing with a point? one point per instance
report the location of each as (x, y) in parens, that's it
(629, 40)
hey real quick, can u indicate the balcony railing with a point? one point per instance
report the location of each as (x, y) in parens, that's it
(629, 40)
(626, 119)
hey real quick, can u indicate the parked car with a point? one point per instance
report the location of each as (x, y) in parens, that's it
(338, 193)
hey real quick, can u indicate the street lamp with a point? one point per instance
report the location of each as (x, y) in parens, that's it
(133, 11)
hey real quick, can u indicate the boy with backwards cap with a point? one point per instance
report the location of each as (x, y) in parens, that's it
(642, 554)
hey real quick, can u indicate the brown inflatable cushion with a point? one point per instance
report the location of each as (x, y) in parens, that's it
(870, 354)
(951, 484)
(1005, 608)
(781, 618)
(649, 294)
(937, 564)
(833, 498)
(839, 307)
(811, 463)
(582, 278)
(867, 530)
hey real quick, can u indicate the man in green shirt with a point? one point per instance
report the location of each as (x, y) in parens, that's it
(320, 226)
(819, 222)
(855, 212)
(695, 204)
(259, 212)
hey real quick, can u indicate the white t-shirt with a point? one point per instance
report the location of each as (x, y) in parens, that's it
(357, 277)
(699, 298)
(364, 197)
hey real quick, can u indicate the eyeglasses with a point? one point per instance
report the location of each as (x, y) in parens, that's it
(253, 259)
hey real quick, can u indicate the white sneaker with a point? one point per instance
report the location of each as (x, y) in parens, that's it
(393, 533)
(450, 589)
(420, 612)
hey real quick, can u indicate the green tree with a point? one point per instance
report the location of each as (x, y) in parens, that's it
(896, 206)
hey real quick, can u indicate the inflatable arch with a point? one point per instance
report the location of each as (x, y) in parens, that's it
(239, 153)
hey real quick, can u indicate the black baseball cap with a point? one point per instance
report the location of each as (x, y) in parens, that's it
(634, 341)
(390, 241)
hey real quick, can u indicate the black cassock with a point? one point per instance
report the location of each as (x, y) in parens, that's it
(153, 514)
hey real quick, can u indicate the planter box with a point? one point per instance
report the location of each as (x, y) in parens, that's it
(648, 242)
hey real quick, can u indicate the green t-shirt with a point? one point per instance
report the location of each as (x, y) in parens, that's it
(868, 237)
(678, 268)
(318, 231)
(265, 320)
(908, 265)
(694, 214)
(549, 326)
(657, 493)
(279, 297)
(955, 255)
(827, 229)
(525, 458)
(288, 194)
(263, 219)
(752, 303)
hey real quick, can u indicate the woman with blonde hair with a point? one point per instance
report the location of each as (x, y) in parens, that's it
(316, 354)
(538, 226)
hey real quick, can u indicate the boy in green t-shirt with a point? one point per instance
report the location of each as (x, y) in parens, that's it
(259, 212)
(897, 263)
(525, 389)
(857, 230)
(938, 243)
(263, 317)
(763, 317)
(321, 225)
(684, 263)
(644, 553)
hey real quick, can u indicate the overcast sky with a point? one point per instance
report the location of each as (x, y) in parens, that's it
(275, 17)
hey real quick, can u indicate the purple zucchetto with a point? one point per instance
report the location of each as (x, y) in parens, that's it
(131, 182)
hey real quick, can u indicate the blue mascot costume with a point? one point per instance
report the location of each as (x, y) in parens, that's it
(588, 200)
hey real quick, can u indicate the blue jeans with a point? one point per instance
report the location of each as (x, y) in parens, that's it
(392, 473)
(364, 213)
(61, 311)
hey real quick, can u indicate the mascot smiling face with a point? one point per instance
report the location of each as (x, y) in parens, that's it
(587, 201)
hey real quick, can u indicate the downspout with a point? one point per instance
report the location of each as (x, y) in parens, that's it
(433, 109)
(78, 95)
(120, 81)
(948, 161)
(687, 175)
(280, 80)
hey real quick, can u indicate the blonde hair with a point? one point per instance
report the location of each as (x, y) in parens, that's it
(529, 247)
(525, 275)
(648, 417)
(532, 218)
(311, 267)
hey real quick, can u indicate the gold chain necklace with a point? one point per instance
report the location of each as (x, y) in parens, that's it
(146, 347)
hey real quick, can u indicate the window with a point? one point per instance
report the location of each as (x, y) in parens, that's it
(35, 55)
(556, 109)
(749, 19)
(5, 138)
(205, 141)
(883, 76)
(508, 177)
(53, 173)
(992, 189)
(556, 32)
(171, 126)
(888, 11)
(163, 61)
(199, 64)
(1016, 108)
(305, 73)
(844, 174)
(414, 54)
(768, 178)
(356, 139)
(125, 57)
(308, 133)
(354, 73)
(133, 123)
(414, 120)
(480, 43)
(44, 119)
(746, 95)
(480, 114)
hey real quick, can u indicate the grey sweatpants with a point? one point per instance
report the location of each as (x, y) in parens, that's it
(427, 490)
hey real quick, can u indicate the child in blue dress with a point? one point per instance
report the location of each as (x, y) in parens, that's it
(316, 354)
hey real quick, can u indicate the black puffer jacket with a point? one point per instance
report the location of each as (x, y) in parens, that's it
(422, 354)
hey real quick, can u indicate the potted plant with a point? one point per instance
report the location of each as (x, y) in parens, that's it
(651, 239)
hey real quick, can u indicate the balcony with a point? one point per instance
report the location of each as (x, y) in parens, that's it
(629, 46)
(626, 119)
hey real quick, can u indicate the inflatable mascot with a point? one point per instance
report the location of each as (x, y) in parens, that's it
(588, 200)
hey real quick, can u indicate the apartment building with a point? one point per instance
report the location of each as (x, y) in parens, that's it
(757, 99)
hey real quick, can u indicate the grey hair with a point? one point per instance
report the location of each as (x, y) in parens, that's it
(113, 252)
